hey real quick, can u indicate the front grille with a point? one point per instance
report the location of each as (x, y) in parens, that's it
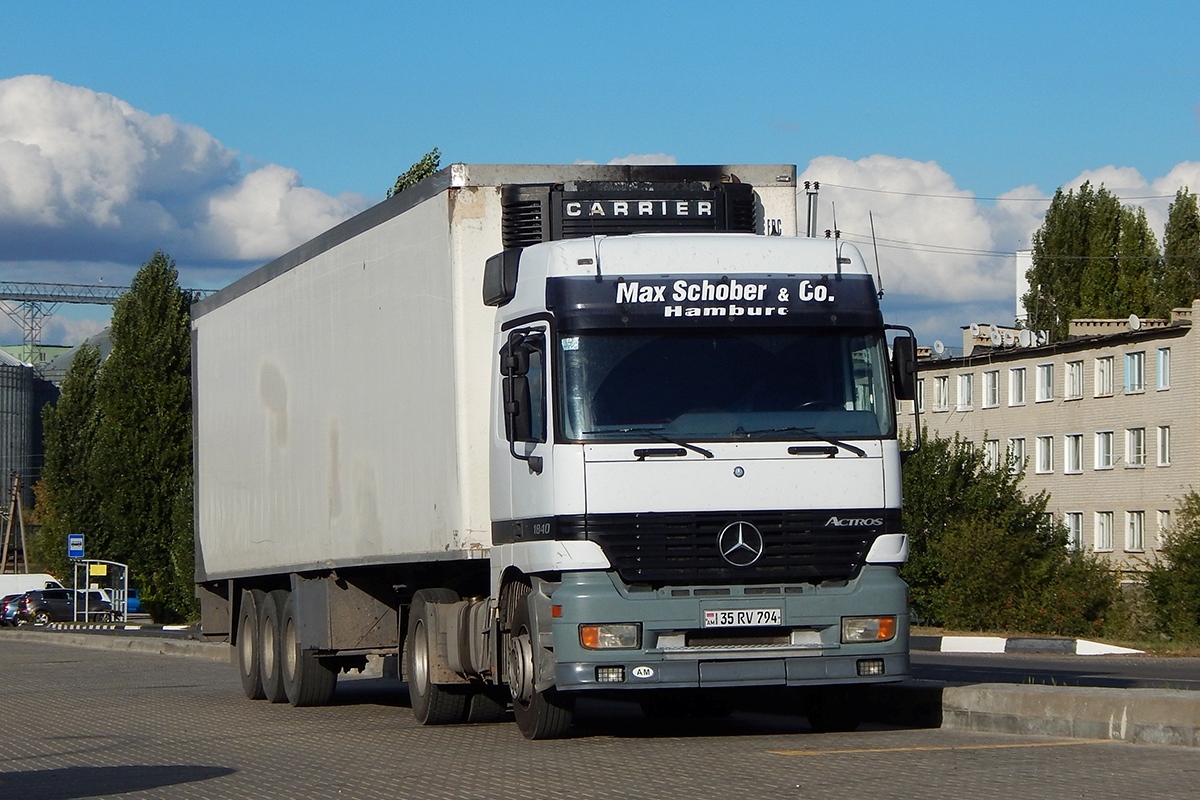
(681, 549)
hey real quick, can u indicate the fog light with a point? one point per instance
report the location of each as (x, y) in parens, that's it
(610, 674)
(868, 629)
(611, 636)
(870, 666)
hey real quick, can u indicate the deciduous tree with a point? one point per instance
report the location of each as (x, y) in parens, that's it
(143, 454)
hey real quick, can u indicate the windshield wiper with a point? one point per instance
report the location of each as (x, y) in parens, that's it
(662, 437)
(809, 433)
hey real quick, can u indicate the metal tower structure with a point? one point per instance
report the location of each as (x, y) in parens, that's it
(29, 304)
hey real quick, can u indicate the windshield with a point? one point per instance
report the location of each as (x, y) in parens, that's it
(724, 385)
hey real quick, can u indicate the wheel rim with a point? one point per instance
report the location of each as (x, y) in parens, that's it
(247, 651)
(420, 658)
(289, 649)
(520, 667)
(268, 649)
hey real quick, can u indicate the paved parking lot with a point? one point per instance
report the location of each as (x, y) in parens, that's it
(92, 723)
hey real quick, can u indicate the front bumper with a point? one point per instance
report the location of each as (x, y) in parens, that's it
(676, 652)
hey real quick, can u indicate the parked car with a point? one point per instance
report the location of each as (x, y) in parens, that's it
(8, 609)
(42, 606)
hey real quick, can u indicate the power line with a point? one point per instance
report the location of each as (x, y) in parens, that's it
(974, 198)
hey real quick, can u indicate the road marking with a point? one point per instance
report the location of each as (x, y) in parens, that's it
(934, 748)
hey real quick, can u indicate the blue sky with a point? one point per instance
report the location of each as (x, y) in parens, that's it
(251, 126)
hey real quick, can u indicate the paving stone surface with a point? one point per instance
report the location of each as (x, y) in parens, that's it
(82, 722)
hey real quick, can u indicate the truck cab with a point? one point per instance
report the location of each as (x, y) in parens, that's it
(695, 468)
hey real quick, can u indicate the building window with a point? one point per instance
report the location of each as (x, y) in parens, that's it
(1164, 526)
(1073, 452)
(1135, 373)
(1104, 376)
(1104, 450)
(1073, 520)
(966, 389)
(1016, 386)
(1164, 445)
(1135, 447)
(941, 393)
(1163, 373)
(1074, 385)
(991, 389)
(1016, 456)
(1045, 454)
(1135, 531)
(920, 401)
(1104, 530)
(991, 453)
(1045, 383)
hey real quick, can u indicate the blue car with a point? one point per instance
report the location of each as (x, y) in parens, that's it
(8, 609)
(133, 603)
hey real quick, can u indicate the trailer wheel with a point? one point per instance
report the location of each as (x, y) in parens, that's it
(248, 645)
(545, 714)
(269, 637)
(307, 681)
(432, 703)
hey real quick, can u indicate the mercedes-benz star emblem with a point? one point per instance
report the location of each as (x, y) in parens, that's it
(740, 543)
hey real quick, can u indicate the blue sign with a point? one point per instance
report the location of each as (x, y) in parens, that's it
(74, 545)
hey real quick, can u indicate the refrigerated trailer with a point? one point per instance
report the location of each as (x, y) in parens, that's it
(540, 431)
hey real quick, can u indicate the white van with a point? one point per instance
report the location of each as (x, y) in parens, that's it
(19, 584)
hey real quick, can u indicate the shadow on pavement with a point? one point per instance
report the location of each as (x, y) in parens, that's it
(77, 782)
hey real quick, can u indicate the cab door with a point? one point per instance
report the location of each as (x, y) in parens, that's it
(525, 382)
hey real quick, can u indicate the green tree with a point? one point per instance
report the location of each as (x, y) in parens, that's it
(1179, 282)
(1091, 258)
(143, 453)
(417, 172)
(1138, 258)
(67, 496)
(982, 556)
(1173, 580)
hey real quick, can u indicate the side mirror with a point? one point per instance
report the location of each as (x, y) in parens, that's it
(904, 367)
(518, 423)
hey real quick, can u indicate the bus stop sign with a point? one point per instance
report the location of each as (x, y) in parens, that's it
(74, 545)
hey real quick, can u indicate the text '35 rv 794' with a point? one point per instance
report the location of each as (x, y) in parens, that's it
(543, 431)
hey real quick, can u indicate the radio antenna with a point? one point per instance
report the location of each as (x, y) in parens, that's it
(875, 245)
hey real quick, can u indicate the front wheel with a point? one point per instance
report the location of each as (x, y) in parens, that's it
(545, 714)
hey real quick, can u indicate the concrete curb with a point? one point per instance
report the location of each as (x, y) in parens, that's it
(1142, 716)
(134, 644)
(1016, 644)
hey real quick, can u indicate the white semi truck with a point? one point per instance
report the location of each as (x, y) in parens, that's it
(548, 430)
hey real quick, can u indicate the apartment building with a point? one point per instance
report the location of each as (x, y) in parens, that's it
(1105, 422)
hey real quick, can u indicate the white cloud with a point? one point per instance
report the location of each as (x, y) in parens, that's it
(933, 239)
(646, 158)
(86, 176)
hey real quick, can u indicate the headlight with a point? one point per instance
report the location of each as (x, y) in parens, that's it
(611, 636)
(868, 629)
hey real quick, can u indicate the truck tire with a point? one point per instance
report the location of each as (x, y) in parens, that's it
(545, 714)
(248, 644)
(270, 635)
(432, 703)
(307, 680)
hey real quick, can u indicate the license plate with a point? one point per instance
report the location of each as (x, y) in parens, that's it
(742, 618)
